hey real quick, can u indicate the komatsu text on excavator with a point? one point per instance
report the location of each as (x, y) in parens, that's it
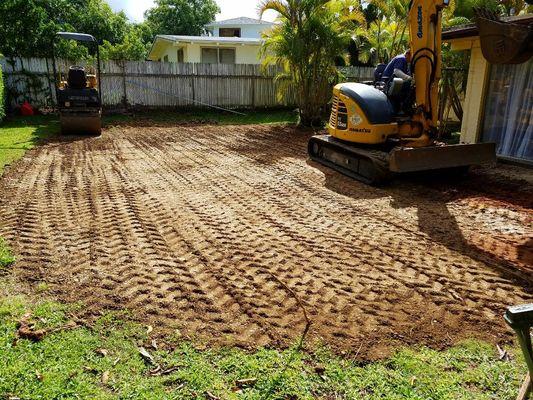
(390, 127)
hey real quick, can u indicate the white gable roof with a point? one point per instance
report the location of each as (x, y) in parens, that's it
(209, 39)
(240, 21)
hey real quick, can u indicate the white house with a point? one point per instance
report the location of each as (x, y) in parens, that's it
(233, 41)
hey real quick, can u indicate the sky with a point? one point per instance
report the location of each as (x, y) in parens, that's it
(134, 9)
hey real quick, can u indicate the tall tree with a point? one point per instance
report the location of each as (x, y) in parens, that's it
(309, 36)
(135, 45)
(28, 26)
(98, 19)
(181, 17)
(387, 32)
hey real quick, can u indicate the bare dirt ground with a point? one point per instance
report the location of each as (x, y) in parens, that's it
(214, 230)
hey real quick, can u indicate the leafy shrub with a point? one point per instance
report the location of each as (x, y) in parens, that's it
(2, 97)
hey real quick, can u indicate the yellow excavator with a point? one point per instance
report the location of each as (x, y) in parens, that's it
(390, 127)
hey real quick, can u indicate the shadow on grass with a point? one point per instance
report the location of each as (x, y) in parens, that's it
(42, 128)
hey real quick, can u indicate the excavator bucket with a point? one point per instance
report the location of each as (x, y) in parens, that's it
(81, 123)
(503, 42)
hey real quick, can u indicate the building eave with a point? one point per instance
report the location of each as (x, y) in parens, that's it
(154, 43)
(471, 30)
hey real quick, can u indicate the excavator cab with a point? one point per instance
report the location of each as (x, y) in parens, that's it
(78, 93)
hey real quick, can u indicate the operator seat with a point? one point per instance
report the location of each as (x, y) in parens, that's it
(399, 90)
(77, 78)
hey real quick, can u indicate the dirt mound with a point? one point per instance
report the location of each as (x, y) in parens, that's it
(205, 228)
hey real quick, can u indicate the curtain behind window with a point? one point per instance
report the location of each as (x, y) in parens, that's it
(508, 119)
(209, 56)
(227, 56)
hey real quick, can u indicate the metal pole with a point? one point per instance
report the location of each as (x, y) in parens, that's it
(98, 72)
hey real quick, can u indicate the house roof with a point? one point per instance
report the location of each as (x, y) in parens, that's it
(240, 21)
(469, 30)
(209, 39)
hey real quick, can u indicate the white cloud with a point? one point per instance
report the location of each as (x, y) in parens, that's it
(135, 9)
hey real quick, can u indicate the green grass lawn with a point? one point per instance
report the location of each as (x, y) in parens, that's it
(211, 117)
(102, 361)
(21, 134)
(6, 257)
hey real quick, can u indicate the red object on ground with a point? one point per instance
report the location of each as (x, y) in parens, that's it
(26, 109)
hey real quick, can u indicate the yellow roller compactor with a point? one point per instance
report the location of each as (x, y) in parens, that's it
(390, 127)
(78, 94)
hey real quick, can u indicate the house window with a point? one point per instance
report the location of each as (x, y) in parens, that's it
(227, 56)
(209, 56)
(181, 56)
(508, 117)
(165, 58)
(218, 56)
(229, 32)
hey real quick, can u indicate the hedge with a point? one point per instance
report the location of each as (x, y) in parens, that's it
(2, 97)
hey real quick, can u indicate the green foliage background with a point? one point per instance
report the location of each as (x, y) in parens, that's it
(181, 17)
(2, 97)
(28, 26)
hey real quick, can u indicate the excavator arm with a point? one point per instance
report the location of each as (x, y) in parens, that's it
(425, 29)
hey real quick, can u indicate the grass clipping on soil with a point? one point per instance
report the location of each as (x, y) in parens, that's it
(6, 257)
(112, 358)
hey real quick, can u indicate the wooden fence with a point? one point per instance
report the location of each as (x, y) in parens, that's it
(160, 84)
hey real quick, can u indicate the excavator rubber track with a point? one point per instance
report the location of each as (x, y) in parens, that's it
(373, 166)
(366, 165)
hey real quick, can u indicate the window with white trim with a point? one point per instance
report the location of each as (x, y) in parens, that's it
(213, 55)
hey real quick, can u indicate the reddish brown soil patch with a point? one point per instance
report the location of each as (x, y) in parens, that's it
(186, 225)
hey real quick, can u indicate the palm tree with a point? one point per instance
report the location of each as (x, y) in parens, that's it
(387, 33)
(309, 35)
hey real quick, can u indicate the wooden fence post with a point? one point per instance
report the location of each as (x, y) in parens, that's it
(254, 82)
(50, 83)
(125, 96)
(193, 83)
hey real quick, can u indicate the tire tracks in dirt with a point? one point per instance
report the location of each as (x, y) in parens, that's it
(186, 225)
